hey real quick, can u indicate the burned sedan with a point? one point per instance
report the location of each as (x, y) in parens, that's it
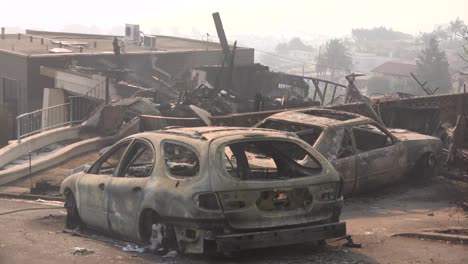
(366, 154)
(209, 189)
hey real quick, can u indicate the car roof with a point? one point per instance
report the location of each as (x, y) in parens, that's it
(214, 132)
(323, 118)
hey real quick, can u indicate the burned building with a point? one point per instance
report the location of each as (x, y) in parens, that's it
(22, 55)
(248, 80)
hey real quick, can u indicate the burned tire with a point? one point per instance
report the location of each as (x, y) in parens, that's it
(426, 167)
(73, 219)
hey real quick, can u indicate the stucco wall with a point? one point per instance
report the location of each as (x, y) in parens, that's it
(14, 66)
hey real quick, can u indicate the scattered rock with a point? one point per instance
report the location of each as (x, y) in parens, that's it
(81, 251)
(133, 248)
(430, 214)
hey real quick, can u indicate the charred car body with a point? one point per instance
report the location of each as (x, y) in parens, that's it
(209, 189)
(365, 153)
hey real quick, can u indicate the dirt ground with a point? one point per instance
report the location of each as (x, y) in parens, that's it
(37, 237)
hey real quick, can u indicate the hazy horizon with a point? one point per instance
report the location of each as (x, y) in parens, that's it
(262, 18)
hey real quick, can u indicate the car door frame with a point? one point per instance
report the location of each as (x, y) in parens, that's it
(342, 165)
(97, 217)
(364, 159)
(118, 203)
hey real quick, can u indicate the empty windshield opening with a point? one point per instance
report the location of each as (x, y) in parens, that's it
(268, 160)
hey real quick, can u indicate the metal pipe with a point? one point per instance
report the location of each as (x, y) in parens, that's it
(333, 96)
(107, 91)
(71, 111)
(3, 33)
(18, 128)
(324, 93)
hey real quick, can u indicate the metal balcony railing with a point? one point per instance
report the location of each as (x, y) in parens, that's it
(77, 110)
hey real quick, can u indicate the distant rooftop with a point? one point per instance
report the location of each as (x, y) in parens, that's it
(395, 68)
(46, 42)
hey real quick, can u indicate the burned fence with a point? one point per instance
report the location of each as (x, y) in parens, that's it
(419, 114)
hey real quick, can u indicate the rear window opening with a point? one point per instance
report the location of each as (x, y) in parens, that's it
(269, 160)
(308, 133)
(369, 137)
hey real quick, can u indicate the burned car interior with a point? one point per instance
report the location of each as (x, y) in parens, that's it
(139, 161)
(268, 160)
(108, 163)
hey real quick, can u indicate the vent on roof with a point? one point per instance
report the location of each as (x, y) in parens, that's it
(149, 42)
(132, 32)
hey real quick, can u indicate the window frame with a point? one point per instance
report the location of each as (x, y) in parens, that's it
(387, 133)
(98, 163)
(145, 141)
(166, 168)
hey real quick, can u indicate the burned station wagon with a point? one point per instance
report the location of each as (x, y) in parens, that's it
(209, 189)
(365, 153)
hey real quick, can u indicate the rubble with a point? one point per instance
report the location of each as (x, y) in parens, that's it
(81, 251)
(133, 248)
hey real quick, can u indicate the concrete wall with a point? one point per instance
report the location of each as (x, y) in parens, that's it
(14, 66)
(54, 116)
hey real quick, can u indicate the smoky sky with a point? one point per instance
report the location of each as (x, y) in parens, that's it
(256, 17)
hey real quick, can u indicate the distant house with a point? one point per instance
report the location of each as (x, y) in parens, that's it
(395, 69)
(365, 62)
(397, 75)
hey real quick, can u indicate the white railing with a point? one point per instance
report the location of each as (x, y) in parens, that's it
(43, 119)
(76, 111)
